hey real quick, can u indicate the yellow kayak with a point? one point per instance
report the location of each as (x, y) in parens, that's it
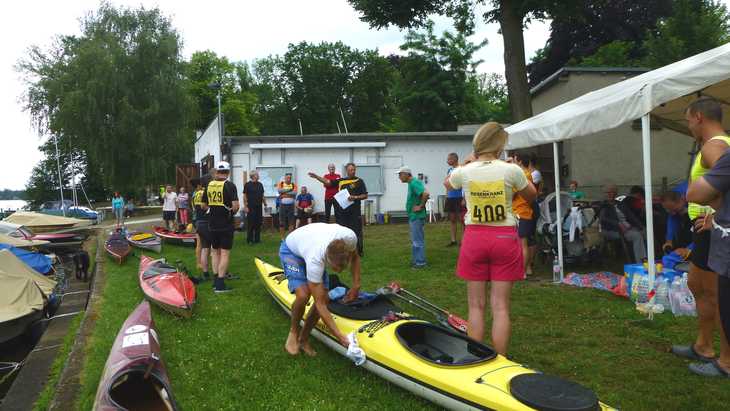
(442, 366)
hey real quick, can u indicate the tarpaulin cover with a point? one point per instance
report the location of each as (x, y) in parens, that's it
(37, 261)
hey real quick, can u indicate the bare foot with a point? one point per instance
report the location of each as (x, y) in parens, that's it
(304, 345)
(292, 345)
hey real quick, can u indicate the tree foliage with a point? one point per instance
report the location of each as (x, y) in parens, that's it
(624, 33)
(117, 93)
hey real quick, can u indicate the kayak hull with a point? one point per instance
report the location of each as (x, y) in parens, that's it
(164, 286)
(134, 375)
(483, 384)
(117, 247)
(152, 244)
(175, 238)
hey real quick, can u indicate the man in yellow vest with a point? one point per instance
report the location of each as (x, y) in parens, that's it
(704, 120)
(221, 200)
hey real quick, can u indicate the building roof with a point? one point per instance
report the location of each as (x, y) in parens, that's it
(551, 79)
(356, 137)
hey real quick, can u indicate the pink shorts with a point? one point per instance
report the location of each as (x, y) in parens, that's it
(490, 253)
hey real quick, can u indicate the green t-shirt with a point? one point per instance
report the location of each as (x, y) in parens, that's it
(415, 191)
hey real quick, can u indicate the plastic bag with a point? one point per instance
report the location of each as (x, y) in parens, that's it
(681, 299)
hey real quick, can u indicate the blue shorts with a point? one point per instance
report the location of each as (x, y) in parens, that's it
(295, 269)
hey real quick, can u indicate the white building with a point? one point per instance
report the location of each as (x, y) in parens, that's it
(377, 155)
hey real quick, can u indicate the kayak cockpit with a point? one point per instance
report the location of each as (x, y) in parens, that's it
(441, 346)
(364, 309)
(134, 390)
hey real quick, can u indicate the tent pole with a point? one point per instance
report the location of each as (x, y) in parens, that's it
(646, 150)
(559, 221)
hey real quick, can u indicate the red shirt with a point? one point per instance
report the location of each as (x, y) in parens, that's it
(330, 191)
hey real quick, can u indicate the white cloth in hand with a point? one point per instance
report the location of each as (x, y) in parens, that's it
(354, 352)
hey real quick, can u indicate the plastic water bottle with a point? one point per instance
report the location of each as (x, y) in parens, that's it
(675, 294)
(643, 286)
(556, 270)
(662, 292)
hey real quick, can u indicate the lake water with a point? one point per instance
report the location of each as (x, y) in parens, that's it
(12, 205)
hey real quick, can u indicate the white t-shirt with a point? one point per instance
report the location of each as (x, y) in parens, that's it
(536, 177)
(488, 190)
(310, 243)
(170, 203)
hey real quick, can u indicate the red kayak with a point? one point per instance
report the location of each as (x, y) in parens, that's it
(172, 236)
(117, 246)
(134, 376)
(167, 287)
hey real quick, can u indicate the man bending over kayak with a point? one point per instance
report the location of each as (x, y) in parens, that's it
(305, 254)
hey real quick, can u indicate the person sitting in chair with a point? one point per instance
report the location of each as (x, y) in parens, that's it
(618, 221)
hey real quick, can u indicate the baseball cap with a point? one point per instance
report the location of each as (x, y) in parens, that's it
(223, 166)
(404, 169)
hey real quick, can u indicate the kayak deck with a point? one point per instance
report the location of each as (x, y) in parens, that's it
(471, 383)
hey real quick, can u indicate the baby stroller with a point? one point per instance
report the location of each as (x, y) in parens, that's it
(580, 245)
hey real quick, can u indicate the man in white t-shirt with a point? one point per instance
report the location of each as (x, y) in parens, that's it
(169, 208)
(305, 254)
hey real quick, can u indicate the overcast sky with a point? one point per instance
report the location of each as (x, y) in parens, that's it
(243, 30)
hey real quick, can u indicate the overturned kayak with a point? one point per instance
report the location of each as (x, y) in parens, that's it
(173, 237)
(117, 246)
(167, 287)
(134, 376)
(145, 241)
(440, 365)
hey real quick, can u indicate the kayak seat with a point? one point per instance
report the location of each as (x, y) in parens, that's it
(158, 270)
(441, 346)
(374, 309)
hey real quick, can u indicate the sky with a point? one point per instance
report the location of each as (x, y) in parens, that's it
(241, 31)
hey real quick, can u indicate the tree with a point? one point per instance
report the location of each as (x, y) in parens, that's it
(117, 91)
(318, 84)
(694, 26)
(434, 91)
(512, 15)
(238, 99)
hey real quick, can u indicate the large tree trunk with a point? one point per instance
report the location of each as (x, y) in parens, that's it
(515, 71)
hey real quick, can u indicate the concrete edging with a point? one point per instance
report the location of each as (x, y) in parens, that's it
(67, 389)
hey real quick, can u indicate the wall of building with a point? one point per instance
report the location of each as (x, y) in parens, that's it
(611, 156)
(427, 156)
(208, 143)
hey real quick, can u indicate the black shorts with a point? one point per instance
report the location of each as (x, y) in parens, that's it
(221, 239)
(701, 252)
(526, 229)
(201, 227)
(286, 215)
(302, 215)
(453, 205)
(168, 215)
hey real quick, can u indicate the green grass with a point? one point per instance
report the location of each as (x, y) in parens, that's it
(230, 356)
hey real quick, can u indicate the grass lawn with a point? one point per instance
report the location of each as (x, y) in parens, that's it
(230, 354)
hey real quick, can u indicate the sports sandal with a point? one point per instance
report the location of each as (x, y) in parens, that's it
(708, 369)
(689, 352)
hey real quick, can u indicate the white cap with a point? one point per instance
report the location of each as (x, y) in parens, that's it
(223, 166)
(404, 169)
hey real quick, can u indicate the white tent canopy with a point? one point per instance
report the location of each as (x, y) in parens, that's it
(664, 92)
(661, 95)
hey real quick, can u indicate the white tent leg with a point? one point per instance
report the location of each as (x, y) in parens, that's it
(646, 149)
(559, 220)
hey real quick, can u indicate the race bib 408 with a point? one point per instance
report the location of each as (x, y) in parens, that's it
(488, 202)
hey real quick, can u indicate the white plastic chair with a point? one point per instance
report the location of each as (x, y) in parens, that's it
(429, 210)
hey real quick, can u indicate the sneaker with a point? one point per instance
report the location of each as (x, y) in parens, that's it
(206, 276)
(419, 266)
(452, 244)
(220, 286)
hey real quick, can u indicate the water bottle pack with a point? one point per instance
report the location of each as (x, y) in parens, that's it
(681, 299)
